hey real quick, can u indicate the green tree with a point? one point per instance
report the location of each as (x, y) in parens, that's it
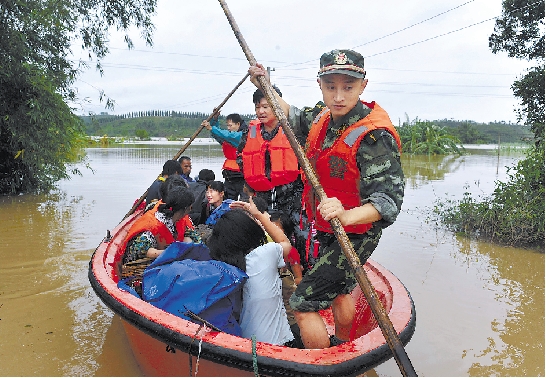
(468, 133)
(40, 136)
(520, 33)
(142, 134)
(514, 213)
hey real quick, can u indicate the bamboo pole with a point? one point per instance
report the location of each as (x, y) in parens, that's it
(181, 151)
(378, 310)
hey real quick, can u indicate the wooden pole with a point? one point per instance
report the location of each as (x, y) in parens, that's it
(181, 151)
(378, 310)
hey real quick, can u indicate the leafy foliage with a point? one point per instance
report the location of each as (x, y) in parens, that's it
(520, 33)
(424, 137)
(39, 134)
(513, 215)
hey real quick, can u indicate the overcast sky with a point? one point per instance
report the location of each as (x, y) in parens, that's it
(424, 58)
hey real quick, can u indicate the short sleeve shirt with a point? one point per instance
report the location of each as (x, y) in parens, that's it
(264, 314)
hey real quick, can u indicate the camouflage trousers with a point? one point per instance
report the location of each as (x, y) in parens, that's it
(332, 274)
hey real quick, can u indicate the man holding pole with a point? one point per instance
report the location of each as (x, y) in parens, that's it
(355, 152)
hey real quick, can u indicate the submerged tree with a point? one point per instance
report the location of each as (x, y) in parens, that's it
(40, 135)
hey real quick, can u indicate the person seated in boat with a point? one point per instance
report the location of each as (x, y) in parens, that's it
(185, 163)
(201, 285)
(199, 188)
(216, 206)
(156, 228)
(170, 168)
(291, 274)
(263, 313)
(184, 227)
(229, 139)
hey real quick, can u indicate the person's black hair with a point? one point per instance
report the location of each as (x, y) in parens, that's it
(171, 167)
(258, 94)
(216, 185)
(182, 158)
(286, 223)
(235, 118)
(178, 198)
(206, 175)
(171, 182)
(260, 203)
(234, 235)
(249, 189)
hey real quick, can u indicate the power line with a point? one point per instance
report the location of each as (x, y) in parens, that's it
(411, 26)
(431, 38)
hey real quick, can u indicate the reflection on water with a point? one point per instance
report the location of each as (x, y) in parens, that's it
(514, 348)
(480, 307)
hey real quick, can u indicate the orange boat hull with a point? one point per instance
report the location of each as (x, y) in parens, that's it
(166, 345)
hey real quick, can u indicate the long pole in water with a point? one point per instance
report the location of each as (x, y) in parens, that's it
(181, 151)
(378, 310)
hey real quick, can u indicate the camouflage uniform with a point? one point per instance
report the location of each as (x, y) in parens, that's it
(381, 183)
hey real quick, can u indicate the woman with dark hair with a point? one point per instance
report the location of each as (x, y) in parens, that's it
(156, 228)
(239, 238)
(216, 206)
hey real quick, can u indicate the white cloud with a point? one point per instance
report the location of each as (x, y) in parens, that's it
(196, 59)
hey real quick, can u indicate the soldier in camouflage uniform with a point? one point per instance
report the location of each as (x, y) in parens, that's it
(374, 203)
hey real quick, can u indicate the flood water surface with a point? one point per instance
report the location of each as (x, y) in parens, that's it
(480, 307)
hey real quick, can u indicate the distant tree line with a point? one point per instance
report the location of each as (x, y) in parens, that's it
(170, 123)
(105, 117)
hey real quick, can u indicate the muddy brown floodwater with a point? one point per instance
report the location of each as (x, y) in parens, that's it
(480, 307)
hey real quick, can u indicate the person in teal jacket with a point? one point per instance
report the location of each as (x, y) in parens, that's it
(229, 139)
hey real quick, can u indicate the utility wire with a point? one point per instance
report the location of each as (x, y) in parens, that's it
(411, 26)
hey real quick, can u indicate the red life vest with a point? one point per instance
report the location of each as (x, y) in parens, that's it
(148, 222)
(284, 164)
(336, 166)
(230, 152)
(182, 225)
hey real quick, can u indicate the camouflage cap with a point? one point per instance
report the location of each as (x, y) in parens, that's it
(346, 62)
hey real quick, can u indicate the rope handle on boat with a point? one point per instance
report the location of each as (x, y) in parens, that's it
(194, 316)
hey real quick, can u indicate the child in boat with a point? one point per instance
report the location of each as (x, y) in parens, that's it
(263, 313)
(229, 139)
(156, 228)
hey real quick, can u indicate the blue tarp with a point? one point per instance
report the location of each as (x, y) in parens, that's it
(184, 278)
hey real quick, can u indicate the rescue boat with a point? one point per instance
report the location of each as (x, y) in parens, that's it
(167, 345)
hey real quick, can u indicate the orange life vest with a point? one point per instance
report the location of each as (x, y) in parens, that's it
(284, 164)
(148, 222)
(336, 166)
(230, 152)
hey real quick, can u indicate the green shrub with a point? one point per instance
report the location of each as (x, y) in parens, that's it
(513, 215)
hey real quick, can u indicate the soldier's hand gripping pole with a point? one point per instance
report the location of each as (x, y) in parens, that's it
(378, 310)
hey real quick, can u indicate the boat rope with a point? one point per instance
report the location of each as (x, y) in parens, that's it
(198, 355)
(189, 348)
(254, 357)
